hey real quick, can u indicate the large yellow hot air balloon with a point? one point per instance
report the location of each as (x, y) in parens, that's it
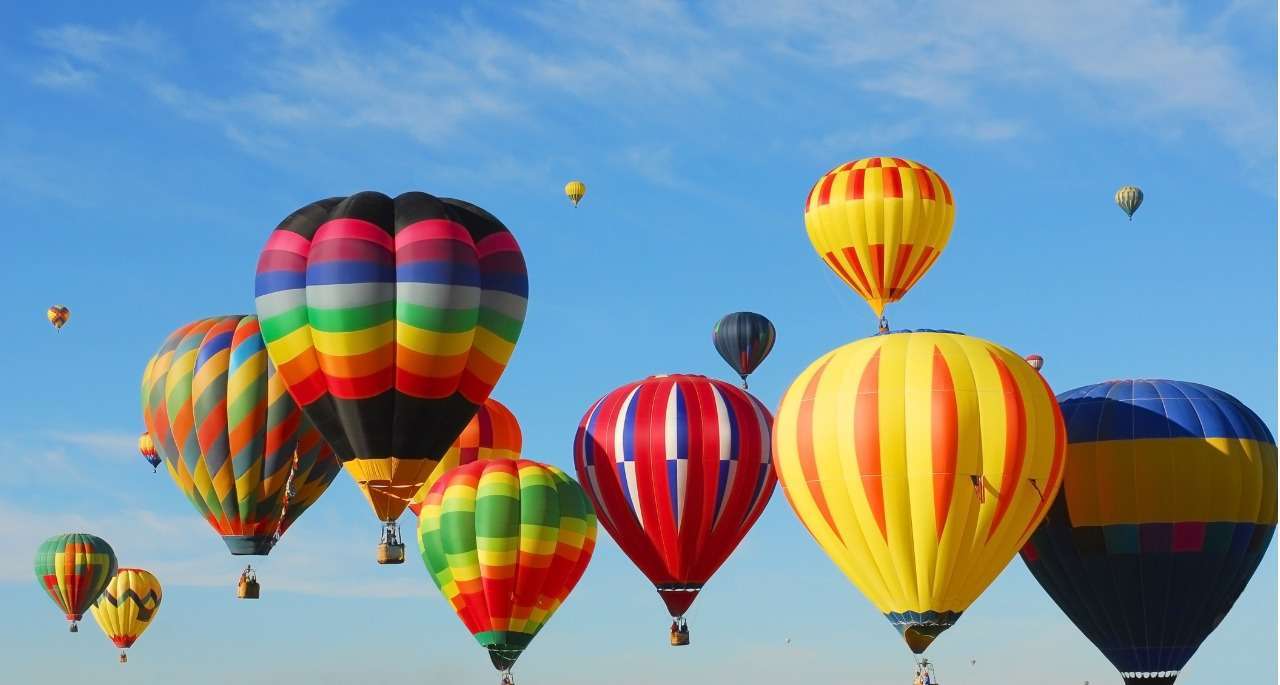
(575, 190)
(920, 462)
(880, 223)
(125, 609)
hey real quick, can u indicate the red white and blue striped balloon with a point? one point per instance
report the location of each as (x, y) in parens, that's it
(678, 468)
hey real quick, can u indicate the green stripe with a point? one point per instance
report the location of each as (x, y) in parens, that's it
(500, 324)
(437, 320)
(351, 318)
(283, 324)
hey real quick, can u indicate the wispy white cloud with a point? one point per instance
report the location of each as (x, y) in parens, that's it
(79, 54)
(969, 71)
(60, 74)
(99, 443)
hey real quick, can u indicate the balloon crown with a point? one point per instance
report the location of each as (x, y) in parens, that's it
(920, 330)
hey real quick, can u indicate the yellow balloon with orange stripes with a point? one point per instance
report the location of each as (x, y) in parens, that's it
(921, 461)
(880, 223)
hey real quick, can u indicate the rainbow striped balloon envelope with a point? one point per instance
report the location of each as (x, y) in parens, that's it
(506, 541)
(1166, 508)
(390, 320)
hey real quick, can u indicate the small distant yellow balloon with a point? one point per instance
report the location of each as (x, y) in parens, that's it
(574, 190)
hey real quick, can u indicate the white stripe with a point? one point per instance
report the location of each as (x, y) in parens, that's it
(671, 442)
(726, 455)
(632, 491)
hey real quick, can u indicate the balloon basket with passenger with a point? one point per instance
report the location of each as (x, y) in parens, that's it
(679, 632)
(391, 547)
(248, 587)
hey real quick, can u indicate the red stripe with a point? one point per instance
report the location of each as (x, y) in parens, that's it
(805, 453)
(877, 266)
(857, 184)
(927, 256)
(945, 425)
(946, 190)
(892, 181)
(898, 161)
(873, 163)
(866, 438)
(844, 275)
(1056, 467)
(852, 256)
(925, 184)
(1015, 443)
(900, 265)
(824, 192)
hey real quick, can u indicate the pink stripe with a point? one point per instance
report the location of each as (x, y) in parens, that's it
(497, 242)
(432, 229)
(288, 241)
(353, 229)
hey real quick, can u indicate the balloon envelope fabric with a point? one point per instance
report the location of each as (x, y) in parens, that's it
(229, 433)
(125, 609)
(390, 321)
(493, 433)
(678, 467)
(1166, 509)
(743, 340)
(880, 224)
(920, 461)
(74, 568)
(506, 541)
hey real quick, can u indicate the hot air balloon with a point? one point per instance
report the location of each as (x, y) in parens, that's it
(1036, 361)
(506, 541)
(574, 190)
(678, 468)
(231, 437)
(390, 321)
(1129, 199)
(920, 462)
(74, 568)
(492, 434)
(743, 340)
(58, 315)
(125, 609)
(147, 449)
(880, 223)
(1167, 506)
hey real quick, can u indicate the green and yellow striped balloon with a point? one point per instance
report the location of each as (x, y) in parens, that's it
(74, 568)
(506, 541)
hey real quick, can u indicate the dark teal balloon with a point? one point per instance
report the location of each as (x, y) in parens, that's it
(744, 339)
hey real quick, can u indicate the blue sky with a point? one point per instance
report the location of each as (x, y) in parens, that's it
(146, 152)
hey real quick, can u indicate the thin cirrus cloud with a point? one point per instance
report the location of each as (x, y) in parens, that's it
(974, 71)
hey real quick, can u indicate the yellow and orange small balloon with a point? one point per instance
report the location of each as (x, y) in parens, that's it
(58, 315)
(880, 224)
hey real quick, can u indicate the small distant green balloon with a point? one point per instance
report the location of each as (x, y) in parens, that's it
(1129, 199)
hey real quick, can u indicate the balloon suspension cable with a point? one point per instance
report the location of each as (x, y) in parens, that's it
(124, 658)
(507, 678)
(978, 482)
(743, 376)
(248, 574)
(884, 324)
(1036, 485)
(74, 627)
